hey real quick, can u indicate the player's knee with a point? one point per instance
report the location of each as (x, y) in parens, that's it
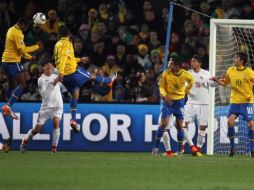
(179, 127)
(202, 128)
(163, 124)
(35, 131)
(75, 94)
(251, 125)
(56, 126)
(230, 123)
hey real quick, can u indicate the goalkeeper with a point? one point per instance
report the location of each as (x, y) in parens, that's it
(241, 79)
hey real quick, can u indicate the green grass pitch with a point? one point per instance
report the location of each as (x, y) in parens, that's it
(123, 171)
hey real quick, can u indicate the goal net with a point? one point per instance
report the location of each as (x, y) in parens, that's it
(227, 37)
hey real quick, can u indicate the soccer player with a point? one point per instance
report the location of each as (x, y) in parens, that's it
(241, 78)
(15, 49)
(72, 76)
(173, 89)
(196, 108)
(51, 107)
(166, 137)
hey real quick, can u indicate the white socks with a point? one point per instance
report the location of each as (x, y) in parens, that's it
(201, 138)
(187, 136)
(29, 135)
(166, 141)
(56, 135)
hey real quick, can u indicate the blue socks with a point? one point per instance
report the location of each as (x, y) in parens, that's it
(180, 136)
(231, 136)
(15, 95)
(251, 136)
(101, 79)
(73, 105)
(159, 134)
(9, 92)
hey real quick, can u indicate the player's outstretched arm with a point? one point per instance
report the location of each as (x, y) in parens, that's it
(58, 79)
(28, 49)
(82, 59)
(212, 83)
(22, 47)
(220, 81)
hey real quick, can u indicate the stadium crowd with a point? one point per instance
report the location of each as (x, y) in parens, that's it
(126, 37)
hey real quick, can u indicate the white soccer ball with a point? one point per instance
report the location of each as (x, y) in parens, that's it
(39, 18)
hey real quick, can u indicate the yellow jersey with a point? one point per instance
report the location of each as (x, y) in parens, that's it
(15, 47)
(241, 84)
(65, 61)
(176, 85)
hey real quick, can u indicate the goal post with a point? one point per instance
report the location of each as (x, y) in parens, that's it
(227, 36)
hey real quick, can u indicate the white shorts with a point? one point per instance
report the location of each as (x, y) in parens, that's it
(46, 114)
(199, 112)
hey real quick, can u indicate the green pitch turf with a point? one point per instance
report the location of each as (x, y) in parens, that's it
(123, 171)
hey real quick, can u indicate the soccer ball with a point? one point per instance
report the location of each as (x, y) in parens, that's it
(39, 18)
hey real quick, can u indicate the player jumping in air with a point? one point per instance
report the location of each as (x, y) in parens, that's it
(70, 74)
(15, 49)
(51, 107)
(173, 89)
(241, 79)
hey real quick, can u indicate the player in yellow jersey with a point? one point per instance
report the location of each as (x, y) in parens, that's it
(15, 49)
(70, 74)
(173, 90)
(241, 79)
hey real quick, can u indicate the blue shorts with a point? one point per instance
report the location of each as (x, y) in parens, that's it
(176, 108)
(76, 80)
(246, 110)
(12, 69)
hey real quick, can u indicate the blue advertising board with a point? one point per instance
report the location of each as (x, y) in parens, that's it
(104, 127)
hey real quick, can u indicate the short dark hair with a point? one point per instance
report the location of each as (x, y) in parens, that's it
(64, 31)
(176, 60)
(197, 57)
(23, 20)
(243, 57)
(48, 62)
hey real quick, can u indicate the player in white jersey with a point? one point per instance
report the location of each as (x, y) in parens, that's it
(51, 107)
(196, 108)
